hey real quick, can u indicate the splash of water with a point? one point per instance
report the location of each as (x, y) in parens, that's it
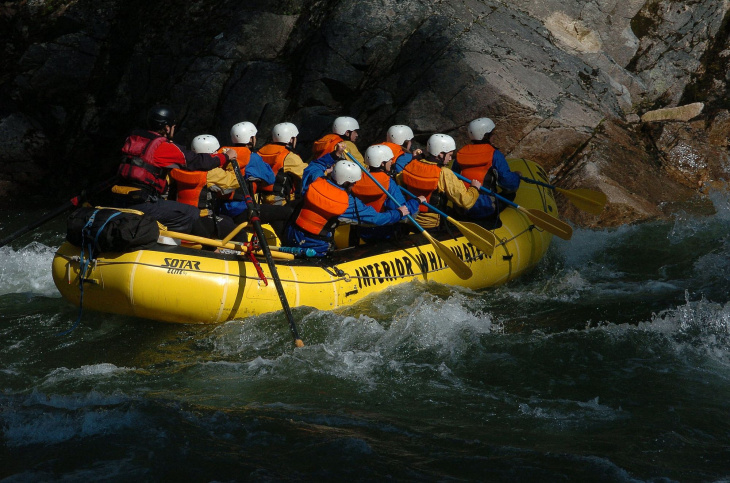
(27, 270)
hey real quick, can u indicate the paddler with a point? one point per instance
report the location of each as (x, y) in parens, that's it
(259, 176)
(378, 162)
(344, 129)
(480, 160)
(199, 189)
(328, 202)
(399, 140)
(149, 156)
(429, 177)
(286, 164)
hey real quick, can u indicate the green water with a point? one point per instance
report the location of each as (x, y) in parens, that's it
(609, 362)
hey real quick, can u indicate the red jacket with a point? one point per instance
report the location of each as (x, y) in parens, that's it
(150, 156)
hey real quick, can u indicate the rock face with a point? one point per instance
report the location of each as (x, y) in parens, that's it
(566, 81)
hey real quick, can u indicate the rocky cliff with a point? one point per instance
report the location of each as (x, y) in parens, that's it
(627, 97)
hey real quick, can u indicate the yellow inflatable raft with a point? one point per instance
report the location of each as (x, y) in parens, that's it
(186, 285)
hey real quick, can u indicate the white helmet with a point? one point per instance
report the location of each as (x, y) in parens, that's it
(399, 134)
(283, 132)
(205, 143)
(479, 127)
(344, 124)
(378, 154)
(346, 171)
(440, 143)
(242, 132)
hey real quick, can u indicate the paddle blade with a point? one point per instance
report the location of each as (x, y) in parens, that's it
(587, 200)
(477, 235)
(549, 223)
(460, 268)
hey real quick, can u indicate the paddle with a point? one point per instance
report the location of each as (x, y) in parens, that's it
(72, 203)
(283, 254)
(460, 268)
(587, 200)
(254, 217)
(539, 218)
(478, 236)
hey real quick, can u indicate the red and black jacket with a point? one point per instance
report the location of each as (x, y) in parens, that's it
(149, 157)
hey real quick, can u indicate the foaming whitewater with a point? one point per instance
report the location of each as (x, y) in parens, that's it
(610, 361)
(27, 270)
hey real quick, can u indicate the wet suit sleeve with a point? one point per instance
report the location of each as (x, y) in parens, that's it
(507, 180)
(397, 194)
(402, 161)
(350, 146)
(316, 169)
(169, 154)
(455, 190)
(358, 213)
(258, 169)
(225, 180)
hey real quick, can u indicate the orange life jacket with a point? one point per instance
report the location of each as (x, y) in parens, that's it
(273, 155)
(243, 153)
(191, 188)
(243, 156)
(475, 160)
(397, 150)
(369, 193)
(325, 145)
(421, 179)
(323, 204)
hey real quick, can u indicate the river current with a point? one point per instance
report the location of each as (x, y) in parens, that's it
(609, 362)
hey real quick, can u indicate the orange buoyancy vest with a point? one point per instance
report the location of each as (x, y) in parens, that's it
(325, 145)
(273, 155)
(191, 188)
(397, 150)
(421, 179)
(370, 193)
(243, 155)
(323, 204)
(475, 160)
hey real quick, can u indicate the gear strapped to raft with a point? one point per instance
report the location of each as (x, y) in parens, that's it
(97, 230)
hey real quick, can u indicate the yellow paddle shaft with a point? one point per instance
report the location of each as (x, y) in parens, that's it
(220, 244)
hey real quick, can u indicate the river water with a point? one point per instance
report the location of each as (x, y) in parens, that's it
(609, 362)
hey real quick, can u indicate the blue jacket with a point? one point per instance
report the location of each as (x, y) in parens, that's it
(316, 169)
(256, 169)
(401, 162)
(357, 213)
(375, 233)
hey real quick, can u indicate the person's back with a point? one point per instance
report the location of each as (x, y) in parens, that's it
(369, 190)
(399, 140)
(149, 156)
(327, 203)
(429, 177)
(287, 166)
(480, 160)
(196, 189)
(344, 129)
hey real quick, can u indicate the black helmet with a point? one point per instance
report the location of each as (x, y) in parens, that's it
(160, 116)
